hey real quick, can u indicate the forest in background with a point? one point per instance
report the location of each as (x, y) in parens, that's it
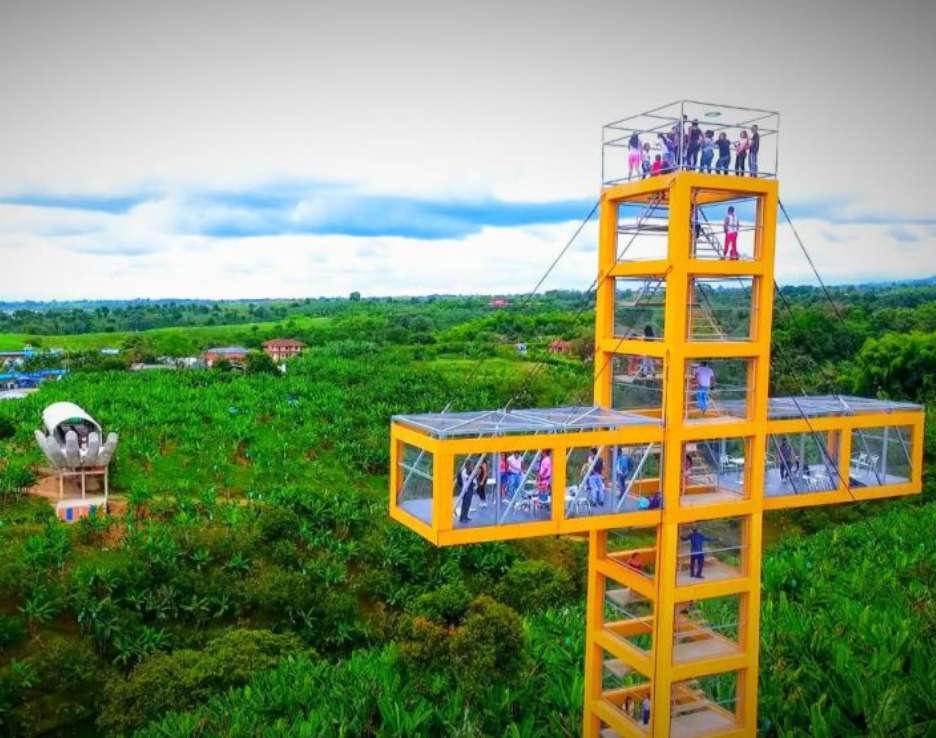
(256, 586)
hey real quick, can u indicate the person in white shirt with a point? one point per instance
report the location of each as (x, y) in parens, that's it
(732, 225)
(514, 473)
(705, 380)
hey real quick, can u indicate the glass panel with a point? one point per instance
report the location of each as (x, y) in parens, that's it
(706, 629)
(643, 230)
(717, 388)
(801, 463)
(705, 705)
(626, 691)
(628, 616)
(720, 309)
(415, 474)
(502, 488)
(724, 227)
(634, 548)
(638, 384)
(881, 456)
(612, 479)
(711, 550)
(714, 471)
(640, 307)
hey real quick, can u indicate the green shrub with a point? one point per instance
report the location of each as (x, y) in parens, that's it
(534, 586)
(12, 630)
(182, 679)
(448, 604)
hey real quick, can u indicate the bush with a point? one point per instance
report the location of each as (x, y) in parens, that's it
(12, 631)
(533, 586)
(448, 604)
(485, 650)
(184, 678)
(7, 429)
(490, 648)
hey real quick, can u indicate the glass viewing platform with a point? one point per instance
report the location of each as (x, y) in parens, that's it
(537, 471)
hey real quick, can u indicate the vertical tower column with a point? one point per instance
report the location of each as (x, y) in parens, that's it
(675, 672)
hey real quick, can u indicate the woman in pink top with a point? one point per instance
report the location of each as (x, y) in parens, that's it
(544, 478)
(741, 156)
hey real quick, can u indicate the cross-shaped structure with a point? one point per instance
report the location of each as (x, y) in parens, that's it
(669, 472)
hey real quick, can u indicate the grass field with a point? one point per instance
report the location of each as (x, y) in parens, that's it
(173, 340)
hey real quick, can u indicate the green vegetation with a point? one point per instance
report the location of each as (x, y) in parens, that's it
(256, 587)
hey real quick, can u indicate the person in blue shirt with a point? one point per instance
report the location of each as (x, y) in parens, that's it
(622, 470)
(697, 555)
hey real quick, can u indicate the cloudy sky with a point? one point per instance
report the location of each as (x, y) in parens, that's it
(279, 148)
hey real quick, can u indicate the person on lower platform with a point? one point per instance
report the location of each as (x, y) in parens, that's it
(596, 489)
(482, 480)
(696, 552)
(544, 479)
(514, 473)
(705, 379)
(732, 226)
(622, 468)
(469, 483)
(787, 459)
(645, 710)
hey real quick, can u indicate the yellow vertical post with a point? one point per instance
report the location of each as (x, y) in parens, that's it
(593, 606)
(443, 485)
(604, 301)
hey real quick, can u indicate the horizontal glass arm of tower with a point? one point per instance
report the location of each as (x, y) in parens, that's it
(503, 474)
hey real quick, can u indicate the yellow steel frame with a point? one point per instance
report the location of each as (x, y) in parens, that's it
(662, 672)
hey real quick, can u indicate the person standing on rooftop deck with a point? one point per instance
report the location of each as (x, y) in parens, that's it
(708, 152)
(705, 379)
(633, 156)
(696, 552)
(657, 167)
(724, 154)
(693, 145)
(741, 156)
(732, 226)
(753, 150)
(646, 161)
(469, 483)
(668, 149)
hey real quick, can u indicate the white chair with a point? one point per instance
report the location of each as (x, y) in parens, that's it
(576, 499)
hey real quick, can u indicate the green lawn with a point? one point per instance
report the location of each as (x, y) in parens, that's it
(174, 340)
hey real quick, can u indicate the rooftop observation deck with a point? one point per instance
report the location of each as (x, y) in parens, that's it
(677, 132)
(536, 421)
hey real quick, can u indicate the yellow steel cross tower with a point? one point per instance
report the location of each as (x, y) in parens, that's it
(670, 470)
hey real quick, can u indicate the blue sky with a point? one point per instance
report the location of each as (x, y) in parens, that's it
(172, 150)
